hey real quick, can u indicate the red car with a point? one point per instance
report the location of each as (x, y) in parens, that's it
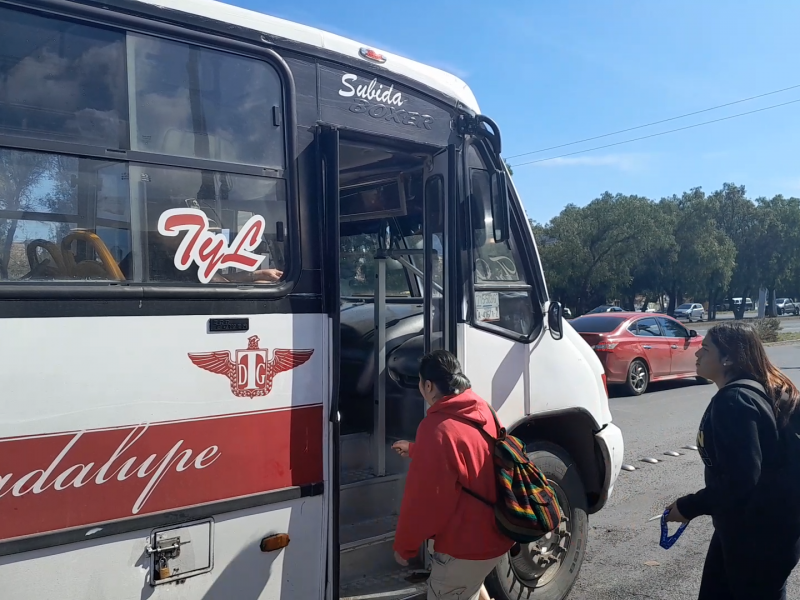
(637, 348)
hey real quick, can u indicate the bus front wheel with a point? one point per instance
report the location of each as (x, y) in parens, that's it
(548, 568)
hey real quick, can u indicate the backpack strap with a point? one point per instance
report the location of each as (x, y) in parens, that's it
(753, 386)
(478, 497)
(750, 384)
(501, 435)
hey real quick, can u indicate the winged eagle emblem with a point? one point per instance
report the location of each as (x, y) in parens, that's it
(251, 372)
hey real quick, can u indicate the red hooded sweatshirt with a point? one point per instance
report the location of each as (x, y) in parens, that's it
(450, 454)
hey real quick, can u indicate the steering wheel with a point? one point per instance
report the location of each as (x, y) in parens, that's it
(109, 265)
(55, 254)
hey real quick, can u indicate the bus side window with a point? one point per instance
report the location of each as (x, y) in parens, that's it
(503, 296)
(494, 261)
(202, 197)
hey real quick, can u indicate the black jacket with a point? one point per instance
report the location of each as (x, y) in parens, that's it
(738, 443)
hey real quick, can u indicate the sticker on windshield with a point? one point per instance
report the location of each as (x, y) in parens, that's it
(487, 306)
(212, 251)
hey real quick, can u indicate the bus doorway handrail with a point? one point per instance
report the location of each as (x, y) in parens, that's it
(398, 254)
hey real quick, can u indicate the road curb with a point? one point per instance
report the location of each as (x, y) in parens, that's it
(786, 343)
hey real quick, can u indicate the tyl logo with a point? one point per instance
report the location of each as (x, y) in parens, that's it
(253, 371)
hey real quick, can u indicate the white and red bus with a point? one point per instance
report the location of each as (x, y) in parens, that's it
(225, 242)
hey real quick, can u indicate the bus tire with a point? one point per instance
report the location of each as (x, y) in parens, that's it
(521, 576)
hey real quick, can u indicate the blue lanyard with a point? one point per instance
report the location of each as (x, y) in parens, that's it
(667, 541)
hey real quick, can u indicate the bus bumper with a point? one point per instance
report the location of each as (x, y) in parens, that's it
(609, 441)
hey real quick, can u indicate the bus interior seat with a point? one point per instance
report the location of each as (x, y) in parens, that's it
(63, 263)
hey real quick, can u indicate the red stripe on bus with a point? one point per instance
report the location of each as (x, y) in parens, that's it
(83, 478)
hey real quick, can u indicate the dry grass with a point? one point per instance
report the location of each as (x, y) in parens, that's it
(791, 336)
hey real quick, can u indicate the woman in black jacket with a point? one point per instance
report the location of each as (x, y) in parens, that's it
(756, 515)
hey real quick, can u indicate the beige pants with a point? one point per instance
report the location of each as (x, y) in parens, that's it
(455, 578)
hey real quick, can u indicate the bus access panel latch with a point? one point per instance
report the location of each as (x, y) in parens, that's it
(164, 550)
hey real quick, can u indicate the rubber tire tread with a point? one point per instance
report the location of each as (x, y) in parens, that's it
(557, 465)
(628, 388)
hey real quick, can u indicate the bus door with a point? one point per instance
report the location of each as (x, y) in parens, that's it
(439, 265)
(390, 203)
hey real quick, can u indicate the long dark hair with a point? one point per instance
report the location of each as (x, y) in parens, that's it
(740, 344)
(443, 369)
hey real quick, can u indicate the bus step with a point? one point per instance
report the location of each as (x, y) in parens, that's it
(390, 586)
(366, 558)
(363, 530)
(370, 498)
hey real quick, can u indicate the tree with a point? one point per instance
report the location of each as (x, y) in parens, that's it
(693, 246)
(20, 173)
(706, 256)
(737, 219)
(508, 166)
(588, 252)
(652, 276)
(778, 241)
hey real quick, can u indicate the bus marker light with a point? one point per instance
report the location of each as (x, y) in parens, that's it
(372, 55)
(275, 542)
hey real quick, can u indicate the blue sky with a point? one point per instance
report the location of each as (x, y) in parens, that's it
(553, 72)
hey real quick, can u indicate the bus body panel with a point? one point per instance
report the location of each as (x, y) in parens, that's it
(115, 568)
(523, 379)
(97, 441)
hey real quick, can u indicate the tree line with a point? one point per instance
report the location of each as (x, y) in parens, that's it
(694, 247)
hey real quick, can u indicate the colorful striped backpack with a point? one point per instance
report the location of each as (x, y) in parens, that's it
(527, 507)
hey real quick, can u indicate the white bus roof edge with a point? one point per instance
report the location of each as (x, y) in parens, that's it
(440, 80)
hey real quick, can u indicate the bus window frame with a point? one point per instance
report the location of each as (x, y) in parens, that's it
(531, 268)
(102, 290)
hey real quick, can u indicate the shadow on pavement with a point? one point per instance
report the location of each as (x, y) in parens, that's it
(660, 386)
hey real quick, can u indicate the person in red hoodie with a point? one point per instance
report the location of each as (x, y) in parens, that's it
(450, 454)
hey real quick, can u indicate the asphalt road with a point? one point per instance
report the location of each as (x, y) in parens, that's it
(622, 540)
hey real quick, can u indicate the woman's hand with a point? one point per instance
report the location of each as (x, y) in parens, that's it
(401, 447)
(400, 560)
(675, 515)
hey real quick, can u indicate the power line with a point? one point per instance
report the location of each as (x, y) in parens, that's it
(597, 137)
(530, 162)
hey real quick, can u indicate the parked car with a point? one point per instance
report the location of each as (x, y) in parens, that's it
(605, 308)
(786, 306)
(691, 311)
(637, 349)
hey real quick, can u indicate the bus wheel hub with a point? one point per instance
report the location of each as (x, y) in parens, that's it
(538, 562)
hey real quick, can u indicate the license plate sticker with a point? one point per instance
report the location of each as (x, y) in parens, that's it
(487, 306)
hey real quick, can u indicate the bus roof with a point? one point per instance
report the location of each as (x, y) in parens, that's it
(437, 79)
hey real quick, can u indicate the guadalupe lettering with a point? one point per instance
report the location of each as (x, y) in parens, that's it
(153, 469)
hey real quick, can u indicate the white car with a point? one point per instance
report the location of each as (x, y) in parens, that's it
(691, 311)
(787, 306)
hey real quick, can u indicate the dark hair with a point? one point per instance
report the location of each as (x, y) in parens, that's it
(443, 369)
(739, 343)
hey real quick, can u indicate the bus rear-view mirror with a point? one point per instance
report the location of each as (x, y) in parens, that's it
(555, 320)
